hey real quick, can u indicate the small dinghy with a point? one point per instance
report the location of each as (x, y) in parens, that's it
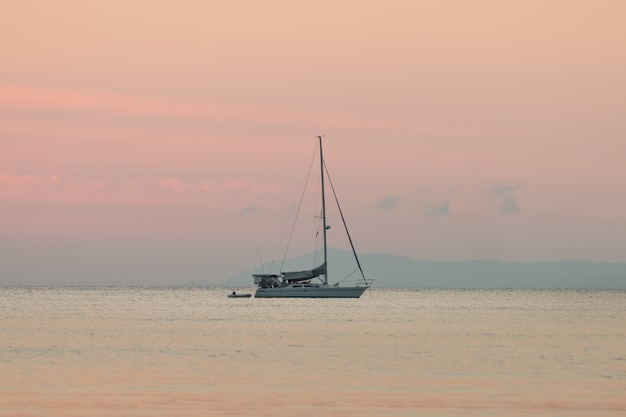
(235, 295)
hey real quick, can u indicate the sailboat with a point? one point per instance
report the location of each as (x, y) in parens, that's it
(312, 283)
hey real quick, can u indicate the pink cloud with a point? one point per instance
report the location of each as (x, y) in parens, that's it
(37, 99)
(173, 184)
(34, 99)
(27, 180)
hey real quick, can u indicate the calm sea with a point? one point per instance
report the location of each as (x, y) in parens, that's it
(194, 352)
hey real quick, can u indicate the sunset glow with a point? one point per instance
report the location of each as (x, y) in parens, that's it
(454, 130)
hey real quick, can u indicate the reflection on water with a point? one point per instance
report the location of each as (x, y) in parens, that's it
(194, 352)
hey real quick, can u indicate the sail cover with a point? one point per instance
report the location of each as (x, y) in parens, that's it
(302, 275)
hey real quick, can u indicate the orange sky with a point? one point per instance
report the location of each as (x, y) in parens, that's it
(454, 129)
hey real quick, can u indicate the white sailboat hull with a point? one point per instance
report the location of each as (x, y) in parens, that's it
(321, 291)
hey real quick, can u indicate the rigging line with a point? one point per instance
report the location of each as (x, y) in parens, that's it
(260, 259)
(291, 216)
(344, 221)
(347, 276)
(293, 226)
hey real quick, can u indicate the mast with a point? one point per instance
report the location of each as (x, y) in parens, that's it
(323, 212)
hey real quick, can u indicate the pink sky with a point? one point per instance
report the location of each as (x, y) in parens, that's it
(454, 130)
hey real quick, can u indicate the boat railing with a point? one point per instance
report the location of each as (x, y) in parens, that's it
(364, 282)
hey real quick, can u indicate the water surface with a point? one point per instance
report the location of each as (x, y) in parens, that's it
(194, 352)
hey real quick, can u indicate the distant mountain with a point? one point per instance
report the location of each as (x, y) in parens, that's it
(404, 272)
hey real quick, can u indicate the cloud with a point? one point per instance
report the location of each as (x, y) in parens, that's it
(501, 189)
(32, 100)
(441, 209)
(388, 203)
(252, 208)
(507, 197)
(26, 180)
(509, 205)
(174, 184)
